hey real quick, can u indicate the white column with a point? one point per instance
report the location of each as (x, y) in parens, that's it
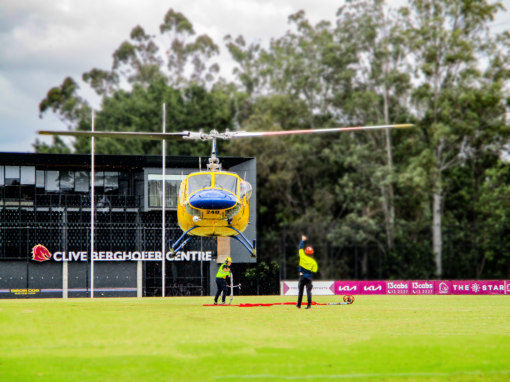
(92, 203)
(65, 279)
(163, 208)
(139, 283)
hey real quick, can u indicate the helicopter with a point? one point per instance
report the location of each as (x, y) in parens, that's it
(213, 202)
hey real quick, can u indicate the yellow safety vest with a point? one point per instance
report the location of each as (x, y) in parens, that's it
(221, 273)
(307, 262)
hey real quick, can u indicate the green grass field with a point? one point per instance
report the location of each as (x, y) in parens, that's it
(390, 338)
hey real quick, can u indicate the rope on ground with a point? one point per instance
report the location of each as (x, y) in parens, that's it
(348, 300)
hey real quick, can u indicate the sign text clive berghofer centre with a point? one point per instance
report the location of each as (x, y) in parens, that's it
(132, 256)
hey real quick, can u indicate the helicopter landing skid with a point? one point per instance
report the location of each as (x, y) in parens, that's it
(179, 244)
(174, 248)
(244, 241)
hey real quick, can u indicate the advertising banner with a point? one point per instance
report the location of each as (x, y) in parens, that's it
(320, 288)
(397, 287)
(373, 287)
(421, 287)
(402, 287)
(443, 287)
(474, 287)
(347, 287)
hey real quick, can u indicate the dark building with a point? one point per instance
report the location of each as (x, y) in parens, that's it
(45, 226)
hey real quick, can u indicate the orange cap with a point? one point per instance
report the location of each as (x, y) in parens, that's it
(309, 250)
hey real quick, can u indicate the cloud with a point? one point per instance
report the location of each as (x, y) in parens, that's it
(42, 42)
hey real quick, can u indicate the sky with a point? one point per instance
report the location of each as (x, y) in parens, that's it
(42, 42)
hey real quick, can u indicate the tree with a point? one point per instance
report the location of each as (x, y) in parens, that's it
(136, 61)
(58, 147)
(138, 107)
(381, 87)
(449, 39)
(179, 30)
(65, 102)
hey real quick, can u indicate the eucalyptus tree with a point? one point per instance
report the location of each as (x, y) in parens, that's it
(139, 77)
(182, 50)
(135, 61)
(378, 91)
(451, 45)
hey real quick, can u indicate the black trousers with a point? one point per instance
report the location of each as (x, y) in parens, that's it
(301, 286)
(222, 287)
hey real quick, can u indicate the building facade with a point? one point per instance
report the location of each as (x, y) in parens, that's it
(45, 226)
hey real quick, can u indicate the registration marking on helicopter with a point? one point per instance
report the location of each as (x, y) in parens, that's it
(212, 212)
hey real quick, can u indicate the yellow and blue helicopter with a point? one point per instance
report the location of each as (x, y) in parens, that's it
(212, 202)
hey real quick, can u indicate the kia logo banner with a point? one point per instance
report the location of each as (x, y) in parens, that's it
(373, 287)
(403, 287)
(347, 287)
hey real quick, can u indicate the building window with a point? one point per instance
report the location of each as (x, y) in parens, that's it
(27, 175)
(172, 184)
(52, 184)
(12, 182)
(124, 178)
(12, 175)
(1, 182)
(99, 183)
(27, 182)
(82, 181)
(111, 183)
(39, 182)
(66, 182)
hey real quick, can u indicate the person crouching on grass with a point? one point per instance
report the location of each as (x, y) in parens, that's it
(307, 265)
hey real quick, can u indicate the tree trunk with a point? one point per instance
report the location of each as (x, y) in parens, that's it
(389, 209)
(437, 241)
(364, 264)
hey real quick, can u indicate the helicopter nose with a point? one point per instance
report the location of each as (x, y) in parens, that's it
(212, 200)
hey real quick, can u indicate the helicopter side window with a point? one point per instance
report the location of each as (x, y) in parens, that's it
(182, 192)
(197, 182)
(246, 189)
(226, 182)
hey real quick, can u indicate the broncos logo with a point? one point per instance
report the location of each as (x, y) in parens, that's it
(40, 253)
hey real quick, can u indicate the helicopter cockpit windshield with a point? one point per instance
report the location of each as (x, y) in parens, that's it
(198, 182)
(226, 182)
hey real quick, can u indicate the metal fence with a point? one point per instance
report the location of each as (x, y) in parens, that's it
(62, 224)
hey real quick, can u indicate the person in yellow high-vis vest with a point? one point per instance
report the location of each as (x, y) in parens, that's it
(307, 266)
(221, 282)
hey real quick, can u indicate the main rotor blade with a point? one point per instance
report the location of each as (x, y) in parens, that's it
(113, 134)
(331, 130)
